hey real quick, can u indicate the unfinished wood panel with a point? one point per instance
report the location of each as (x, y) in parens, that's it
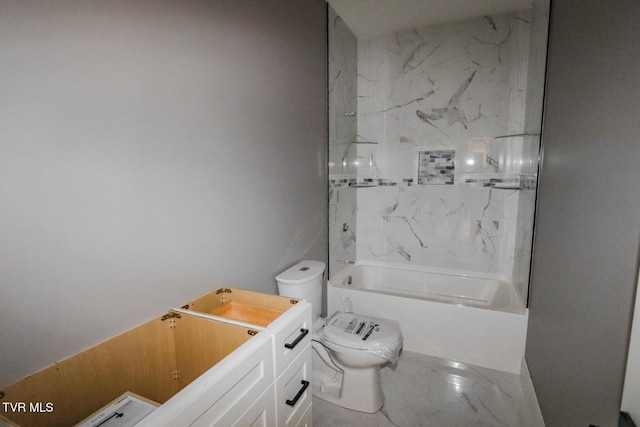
(247, 313)
(201, 343)
(242, 305)
(140, 360)
(275, 302)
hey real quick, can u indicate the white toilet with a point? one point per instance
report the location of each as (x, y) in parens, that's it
(348, 348)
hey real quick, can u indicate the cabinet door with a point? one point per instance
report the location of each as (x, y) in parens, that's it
(291, 334)
(261, 413)
(219, 396)
(293, 389)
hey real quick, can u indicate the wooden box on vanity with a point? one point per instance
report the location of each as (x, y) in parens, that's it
(229, 358)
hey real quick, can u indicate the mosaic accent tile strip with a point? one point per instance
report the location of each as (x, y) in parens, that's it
(516, 182)
(369, 182)
(341, 182)
(489, 181)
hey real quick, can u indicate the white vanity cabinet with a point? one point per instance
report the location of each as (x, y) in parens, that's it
(288, 323)
(203, 369)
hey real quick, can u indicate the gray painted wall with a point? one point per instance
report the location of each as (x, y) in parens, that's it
(151, 151)
(588, 228)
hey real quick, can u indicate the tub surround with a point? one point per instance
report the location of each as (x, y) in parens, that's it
(469, 87)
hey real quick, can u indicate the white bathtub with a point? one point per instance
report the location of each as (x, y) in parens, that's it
(476, 320)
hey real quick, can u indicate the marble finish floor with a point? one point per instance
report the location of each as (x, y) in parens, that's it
(427, 391)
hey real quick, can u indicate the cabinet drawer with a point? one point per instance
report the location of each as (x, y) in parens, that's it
(291, 334)
(293, 389)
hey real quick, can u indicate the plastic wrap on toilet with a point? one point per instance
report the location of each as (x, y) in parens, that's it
(380, 337)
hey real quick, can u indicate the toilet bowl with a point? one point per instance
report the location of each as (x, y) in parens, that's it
(348, 349)
(358, 346)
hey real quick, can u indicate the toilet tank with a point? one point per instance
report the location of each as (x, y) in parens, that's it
(303, 280)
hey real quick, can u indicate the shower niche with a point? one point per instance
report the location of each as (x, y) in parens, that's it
(434, 140)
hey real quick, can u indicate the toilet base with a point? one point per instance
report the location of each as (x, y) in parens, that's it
(359, 389)
(361, 398)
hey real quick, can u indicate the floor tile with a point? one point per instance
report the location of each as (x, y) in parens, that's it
(427, 391)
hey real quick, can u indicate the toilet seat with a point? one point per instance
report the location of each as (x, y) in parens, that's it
(380, 337)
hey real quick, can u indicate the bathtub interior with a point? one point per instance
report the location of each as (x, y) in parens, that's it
(488, 292)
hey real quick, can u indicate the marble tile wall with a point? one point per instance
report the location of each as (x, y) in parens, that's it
(458, 85)
(461, 86)
(442, 85)
(452, 227)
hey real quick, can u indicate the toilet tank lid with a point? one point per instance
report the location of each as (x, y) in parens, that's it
(302, 272)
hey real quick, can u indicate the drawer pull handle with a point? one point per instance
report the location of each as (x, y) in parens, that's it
(305, 384)
(303, 333)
